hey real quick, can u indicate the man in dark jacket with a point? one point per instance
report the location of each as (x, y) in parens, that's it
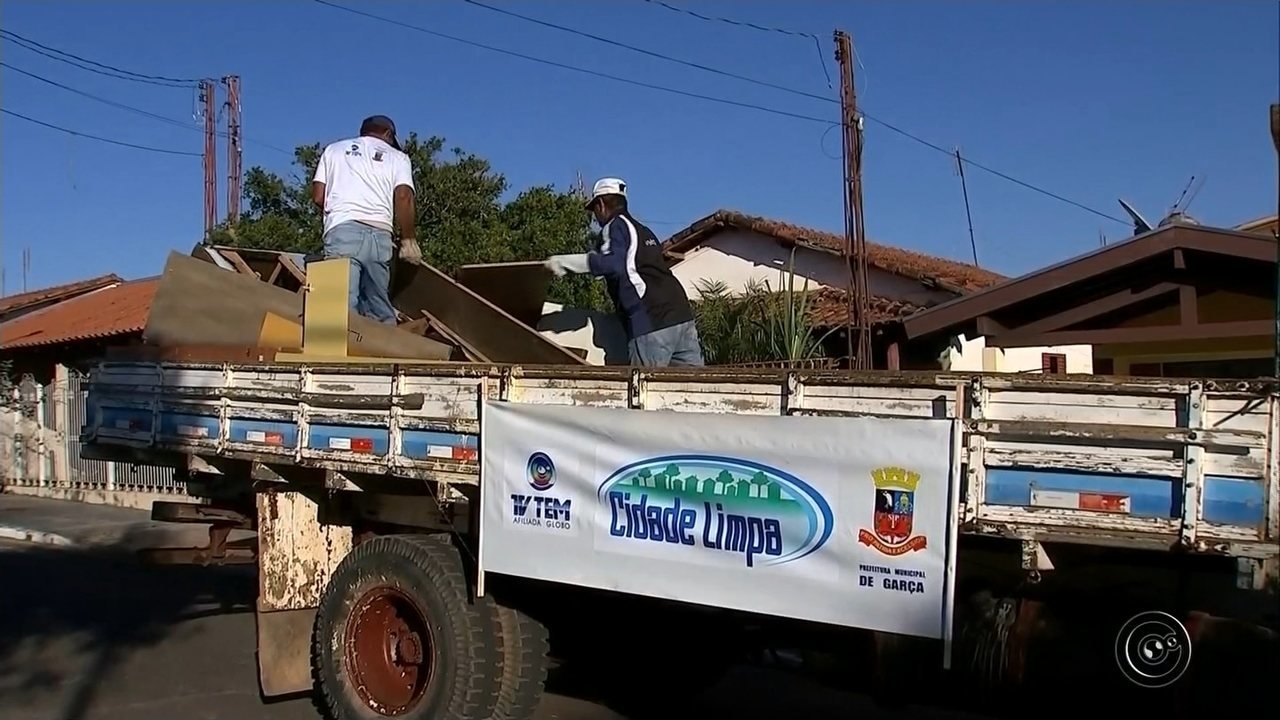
(651, 303)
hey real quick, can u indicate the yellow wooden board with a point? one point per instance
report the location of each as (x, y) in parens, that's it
(280, 332)
(325, 308)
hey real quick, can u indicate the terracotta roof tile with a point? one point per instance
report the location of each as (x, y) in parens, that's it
(950, 275)
(118, 310)
(829, 308)
(21, 300)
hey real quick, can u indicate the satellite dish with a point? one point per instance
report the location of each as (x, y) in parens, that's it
(1140, 224)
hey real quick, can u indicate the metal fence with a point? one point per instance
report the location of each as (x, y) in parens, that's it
(45, 444)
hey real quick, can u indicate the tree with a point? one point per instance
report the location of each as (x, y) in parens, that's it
(462, 218)
(724, 479)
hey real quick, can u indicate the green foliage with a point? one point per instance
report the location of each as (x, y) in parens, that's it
(462, 218)
(760, 325)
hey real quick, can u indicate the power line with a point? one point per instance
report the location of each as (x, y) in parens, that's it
(91, 96)
(650, 53)
(51, 126)
(817, 44)
(715, 99)
(872, 118)
(130, 108)
(995, 172)
(574, 68)
(97, 67)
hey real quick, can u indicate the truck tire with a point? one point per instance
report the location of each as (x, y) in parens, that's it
(397, 635)
(524, 665)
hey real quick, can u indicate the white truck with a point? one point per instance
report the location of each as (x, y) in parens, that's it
(428, 537)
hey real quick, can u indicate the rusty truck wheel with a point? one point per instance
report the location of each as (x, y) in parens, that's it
(398, 635)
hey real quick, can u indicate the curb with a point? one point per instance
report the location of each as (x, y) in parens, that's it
(9, 532)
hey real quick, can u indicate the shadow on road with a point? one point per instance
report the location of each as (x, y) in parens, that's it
(69, 616)
(74, 623)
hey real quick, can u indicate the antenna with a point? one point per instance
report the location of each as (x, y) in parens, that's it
(1188, 194)
(1140, 224)
(964, 187)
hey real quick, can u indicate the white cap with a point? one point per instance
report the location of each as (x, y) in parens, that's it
(609, 186)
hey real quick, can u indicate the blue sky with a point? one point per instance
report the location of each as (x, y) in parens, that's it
(1090, 100)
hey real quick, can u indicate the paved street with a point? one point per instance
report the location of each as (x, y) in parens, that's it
(87, 633)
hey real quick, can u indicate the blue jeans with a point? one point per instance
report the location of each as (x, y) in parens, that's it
(369, 250)
(675, 345)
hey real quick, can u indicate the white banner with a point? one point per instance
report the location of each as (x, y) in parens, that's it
(837, 520)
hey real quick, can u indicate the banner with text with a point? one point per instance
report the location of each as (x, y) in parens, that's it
(830, 519)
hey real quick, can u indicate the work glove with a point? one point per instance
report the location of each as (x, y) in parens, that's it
(561, 264)
(410, 251)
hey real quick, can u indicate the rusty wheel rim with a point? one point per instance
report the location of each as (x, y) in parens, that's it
(388, 647)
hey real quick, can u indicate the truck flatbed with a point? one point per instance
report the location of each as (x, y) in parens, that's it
(1139, 463)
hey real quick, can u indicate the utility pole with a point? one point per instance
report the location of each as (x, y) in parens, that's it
(210, 158)
(855, 245)
(1275, 138)
(234, 148)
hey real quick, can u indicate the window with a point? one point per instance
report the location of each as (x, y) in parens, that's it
(1053, 363)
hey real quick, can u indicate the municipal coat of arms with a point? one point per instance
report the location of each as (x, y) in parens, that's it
(895, 505)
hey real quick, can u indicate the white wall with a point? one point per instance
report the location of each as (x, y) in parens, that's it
(736, 257)
(975, 356)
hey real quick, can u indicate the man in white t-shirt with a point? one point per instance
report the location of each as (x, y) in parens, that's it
(363, 186)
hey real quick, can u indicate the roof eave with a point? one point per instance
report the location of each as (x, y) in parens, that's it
(962, 312)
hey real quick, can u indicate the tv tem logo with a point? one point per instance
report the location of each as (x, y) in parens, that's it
(541, 510)
(1153, 649)
(542, 472)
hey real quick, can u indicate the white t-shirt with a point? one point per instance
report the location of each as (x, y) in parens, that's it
(360, 176)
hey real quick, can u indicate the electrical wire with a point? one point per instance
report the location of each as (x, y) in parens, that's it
(720, 100)
(575, 68)
(882, 123)
(817, 44)
(121, 143)
(650, 53)
(997, 173)
(97, 67)
(132, 109)
(112, 103)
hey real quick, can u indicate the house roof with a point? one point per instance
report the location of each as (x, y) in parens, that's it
(13, 303)
(930, 270)
(118, 310)
(1260, 225)
(830, 308)
(1065, 280)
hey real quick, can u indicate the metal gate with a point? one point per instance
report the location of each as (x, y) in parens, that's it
(102, 474)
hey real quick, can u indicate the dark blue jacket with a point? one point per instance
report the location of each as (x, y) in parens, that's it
(648, 297)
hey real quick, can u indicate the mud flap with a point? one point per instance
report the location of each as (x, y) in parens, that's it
(284, 651)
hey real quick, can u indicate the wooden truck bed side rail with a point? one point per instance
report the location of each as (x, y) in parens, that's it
(1144, 463)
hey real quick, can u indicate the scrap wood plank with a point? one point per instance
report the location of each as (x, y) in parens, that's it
(486, 327)
(198, 303)
(519, 288)
(191, 354)
(469, 350)
(240, 265)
